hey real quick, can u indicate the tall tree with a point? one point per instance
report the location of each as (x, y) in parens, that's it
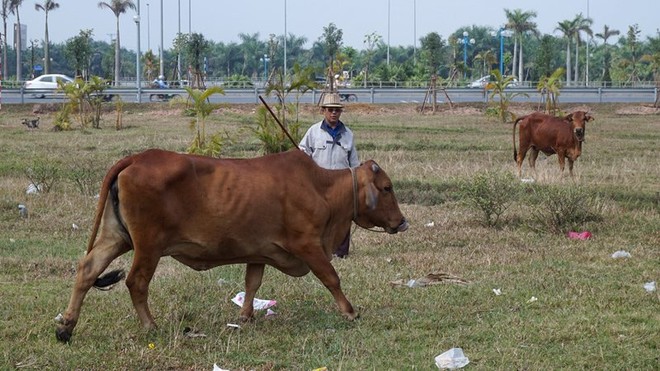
(14, 5)
(580, 24)
(332, 42)
(47, 6)
(370, 40)
(252, 49)
(521, 23)
(567, 28)
(118, 7)
(607, 56)
(4, 12)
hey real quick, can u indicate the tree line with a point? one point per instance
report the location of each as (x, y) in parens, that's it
(594, 57)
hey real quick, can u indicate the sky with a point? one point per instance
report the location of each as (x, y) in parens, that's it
(398, 22)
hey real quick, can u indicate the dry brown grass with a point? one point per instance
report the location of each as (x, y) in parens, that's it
(592, 312)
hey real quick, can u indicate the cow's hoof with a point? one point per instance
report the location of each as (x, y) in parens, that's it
(352, 316)
(63, 334)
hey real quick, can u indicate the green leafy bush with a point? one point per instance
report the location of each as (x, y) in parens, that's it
(560, 208)
(490, 192)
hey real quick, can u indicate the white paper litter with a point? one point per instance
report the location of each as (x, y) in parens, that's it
(258, 304)
(649, 286)
(621, 254)
(451, 359)
(497, 292)
(429, 224)
(217, 368)
(532, 299)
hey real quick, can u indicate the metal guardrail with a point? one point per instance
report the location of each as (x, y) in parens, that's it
(377, 95)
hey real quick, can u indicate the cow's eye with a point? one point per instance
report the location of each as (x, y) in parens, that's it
(387, 189)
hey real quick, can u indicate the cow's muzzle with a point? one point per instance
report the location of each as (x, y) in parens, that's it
(579, 134)
(402, 227)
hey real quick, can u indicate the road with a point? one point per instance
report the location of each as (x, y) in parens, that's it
(376, 95)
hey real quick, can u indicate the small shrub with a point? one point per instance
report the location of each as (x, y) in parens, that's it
(561, 208)
(87, 176)
(43, 175)
(491, 192)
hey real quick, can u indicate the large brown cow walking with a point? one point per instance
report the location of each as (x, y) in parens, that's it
(282, 210)
(550, 135)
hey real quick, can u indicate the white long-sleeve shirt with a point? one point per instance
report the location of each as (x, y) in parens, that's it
(328, 152)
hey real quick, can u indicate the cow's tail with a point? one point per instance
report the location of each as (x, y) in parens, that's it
(515, 152)
(106, 188)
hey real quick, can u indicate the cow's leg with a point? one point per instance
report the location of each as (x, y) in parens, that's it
(253, 275)
(562, 158)
(533, 155)
(521, 157)
(105, 250)
(327, 274)
(570, 165)
(139, 277)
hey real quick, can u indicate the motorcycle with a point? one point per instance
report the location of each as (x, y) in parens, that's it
(160, 97)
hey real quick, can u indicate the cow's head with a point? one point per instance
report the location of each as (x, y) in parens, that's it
(578, 119)
(377, 205)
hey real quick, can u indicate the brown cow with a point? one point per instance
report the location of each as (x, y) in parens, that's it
(282, 210)
(550, 135)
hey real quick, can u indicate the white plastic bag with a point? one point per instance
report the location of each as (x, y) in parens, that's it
(451, 359)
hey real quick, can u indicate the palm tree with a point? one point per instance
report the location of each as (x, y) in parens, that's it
(581, 24)
(14, 5)
(606, 34)
(118, 7)
(47, 6)
(567, 27)
(252, 50)
(488, 59)
(520, 22)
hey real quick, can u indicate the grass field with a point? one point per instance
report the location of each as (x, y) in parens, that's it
(591, 312)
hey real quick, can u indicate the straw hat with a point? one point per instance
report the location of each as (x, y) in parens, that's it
(331, 100)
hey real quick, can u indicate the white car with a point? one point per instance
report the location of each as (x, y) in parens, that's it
(46, 82)
(480, 83)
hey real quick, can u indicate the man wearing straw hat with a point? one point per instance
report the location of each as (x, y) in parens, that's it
(331, 145)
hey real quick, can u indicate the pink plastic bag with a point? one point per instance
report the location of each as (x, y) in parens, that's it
(585, 235)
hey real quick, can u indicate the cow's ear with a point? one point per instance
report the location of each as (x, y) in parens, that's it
(569, 117)
(375, 168)
(372, 196)
(588, 117)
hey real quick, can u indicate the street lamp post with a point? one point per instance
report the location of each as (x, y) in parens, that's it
(136, 18)
(465, 41)
(148, 28)
(160, 51)
(502, 33)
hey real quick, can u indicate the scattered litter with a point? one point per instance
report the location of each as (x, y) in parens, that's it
(497, 292)
(258, 304)
(192, 333)
(75, 227)
(532, 299)
(22, 211)
(32, 189)
(270, 312)
(12, 240)
(430, 224)
(430, 279)
(151, 346)
(585, 235)
(217, 368)
(527, 180)
(233, 325)
(389, 260)
(59, 318)
(649, 286)
(451, 359)
(621, 254)
(320, 369)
